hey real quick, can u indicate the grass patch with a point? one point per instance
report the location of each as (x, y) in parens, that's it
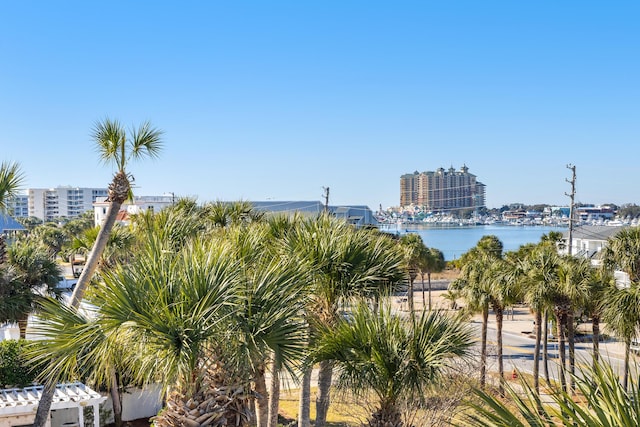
(341, 413)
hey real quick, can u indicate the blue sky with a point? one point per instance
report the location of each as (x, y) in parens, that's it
(278, 99)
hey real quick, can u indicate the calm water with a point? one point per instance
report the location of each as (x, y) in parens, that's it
(454, 241)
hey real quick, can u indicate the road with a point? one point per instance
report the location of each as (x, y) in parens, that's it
(518, 350)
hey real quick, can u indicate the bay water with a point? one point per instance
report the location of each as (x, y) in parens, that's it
(455, 241)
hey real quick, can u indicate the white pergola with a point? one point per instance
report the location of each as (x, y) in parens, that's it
(21, 402)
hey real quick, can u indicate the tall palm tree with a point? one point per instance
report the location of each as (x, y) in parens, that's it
(117, 147)
(474, 285)
(381, 354)
(574, 276)
(504, 290)
(600, 281)
(541, 266)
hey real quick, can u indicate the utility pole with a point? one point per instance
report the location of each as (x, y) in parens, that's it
(571, 207)
(326, 199)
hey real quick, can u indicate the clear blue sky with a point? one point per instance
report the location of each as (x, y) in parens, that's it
(277, 99)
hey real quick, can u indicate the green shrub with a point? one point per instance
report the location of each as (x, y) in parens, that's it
(14, 370)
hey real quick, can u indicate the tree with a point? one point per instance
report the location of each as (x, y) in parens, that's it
(574, 276)
(504, 290)
(347, 263)
(35, 275)
(396, 361)
(432, 262)
(474, 286)
(11, 179)
(604, 402)
(414, 255)
(622, 316)
(115, 147)
(119, 148)
(541, 279)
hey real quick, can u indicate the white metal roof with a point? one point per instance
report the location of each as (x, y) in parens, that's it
(25, 400)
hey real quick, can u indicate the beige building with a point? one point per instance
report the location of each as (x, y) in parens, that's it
(442, 189)
(61, 202)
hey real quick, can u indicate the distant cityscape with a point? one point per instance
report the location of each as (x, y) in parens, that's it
(442, 197)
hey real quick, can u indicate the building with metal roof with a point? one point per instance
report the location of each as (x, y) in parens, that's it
(358, 215)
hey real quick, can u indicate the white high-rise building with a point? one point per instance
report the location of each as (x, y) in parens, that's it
(62, 202)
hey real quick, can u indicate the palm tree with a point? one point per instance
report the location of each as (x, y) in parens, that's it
(594, 303)
(541, 267)
(414, 255)
(119, 148)
(504, 290)
(623, 252)
(395, 360)
(474, 286)
(574, 276)
(622, 316)
(604, 403)
(36, 276)
(345, 263)
(11, 179)
(267, 329)
(432, 262)
(75, 346)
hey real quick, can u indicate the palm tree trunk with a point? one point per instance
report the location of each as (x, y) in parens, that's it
(536, 354)
(424, 303)
(429, 282)
(45, 401)
(324, 386)
(499, 312)
(94, 257)
(483, 348)
(274, 394)
(114, 391)
(410, 298)
(304, 411)
(262, 400)
(595, 333)
(627, 352)
(23, 321)
(571, 338)
(561, 351)
(545, 355)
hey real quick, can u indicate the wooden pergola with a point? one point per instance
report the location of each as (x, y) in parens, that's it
(18, 406)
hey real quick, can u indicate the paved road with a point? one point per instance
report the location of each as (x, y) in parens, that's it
(518, 350)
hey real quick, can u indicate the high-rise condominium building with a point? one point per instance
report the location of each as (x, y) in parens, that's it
(442, 189)
(61, 202)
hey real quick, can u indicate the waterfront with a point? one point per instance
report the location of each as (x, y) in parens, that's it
(454, 241)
